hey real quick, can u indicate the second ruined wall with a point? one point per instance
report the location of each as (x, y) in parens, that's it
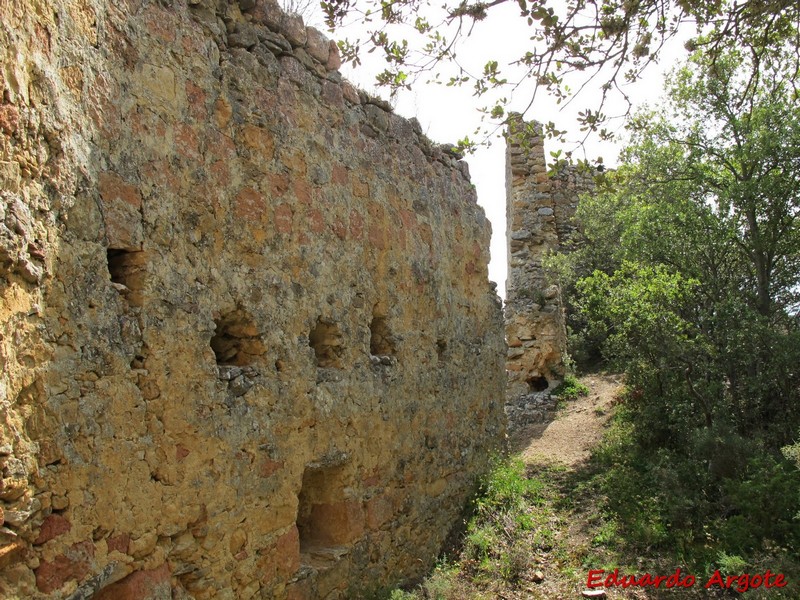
(248, 341)
(540, 210)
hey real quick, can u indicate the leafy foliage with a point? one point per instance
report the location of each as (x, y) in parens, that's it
(688, 280)
(610, 41)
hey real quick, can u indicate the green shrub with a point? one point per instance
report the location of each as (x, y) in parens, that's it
(570, 389)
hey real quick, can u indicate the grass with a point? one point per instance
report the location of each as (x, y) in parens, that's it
(511, 538)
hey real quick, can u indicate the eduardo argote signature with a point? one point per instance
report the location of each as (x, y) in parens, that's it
(741, 583)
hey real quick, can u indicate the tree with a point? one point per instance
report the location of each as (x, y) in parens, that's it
(707, 204)
(689, 278)
(610, 41)
(710, 191)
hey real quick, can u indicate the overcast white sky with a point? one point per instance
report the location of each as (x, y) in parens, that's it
(447, 114)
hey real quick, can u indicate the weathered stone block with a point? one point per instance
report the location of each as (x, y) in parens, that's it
(318, 46)
(53, 526)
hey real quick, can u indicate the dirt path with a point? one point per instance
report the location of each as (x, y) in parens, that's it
(569, 438)
(567, 441)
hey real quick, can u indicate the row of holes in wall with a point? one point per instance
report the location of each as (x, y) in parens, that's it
(236, 340)
(326, 340)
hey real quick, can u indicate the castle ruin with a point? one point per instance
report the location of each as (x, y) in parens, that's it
(540, 211)
(249, 348)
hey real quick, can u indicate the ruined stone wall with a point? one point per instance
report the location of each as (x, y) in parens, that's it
(249, 348)
(540, 210)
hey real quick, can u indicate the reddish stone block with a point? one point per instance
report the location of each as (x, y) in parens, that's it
(282, 558)
(316, 222)
(356, 224)
(186, 142)
(219, 145)
(339, 228)
(372, 480)
(196, 98)
(9, 119)
(181, 452)
(279, 183)
(160, 25)
(269, 466)
(377, 236)
(105, 117)
(140, 585)
(283, 218)
(52, 527)
(42, 38)
(192, 45)
(73, 564)
(302, 191)
(339, 175)
(250, 205)
(114, 189)
(220, 173)
(119, 543)
(409, 219)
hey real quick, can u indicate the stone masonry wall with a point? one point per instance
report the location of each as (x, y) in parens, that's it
(540, 209)
(249, 348)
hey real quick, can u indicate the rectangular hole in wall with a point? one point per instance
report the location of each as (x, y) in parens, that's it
(326, 340)
(381, 341)
(327, 521)
(128, 269)
(236, 339)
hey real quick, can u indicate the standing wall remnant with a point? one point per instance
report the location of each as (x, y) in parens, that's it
(540, 211)
(249, 347)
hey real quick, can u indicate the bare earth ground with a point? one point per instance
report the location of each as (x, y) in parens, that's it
(568, 439)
